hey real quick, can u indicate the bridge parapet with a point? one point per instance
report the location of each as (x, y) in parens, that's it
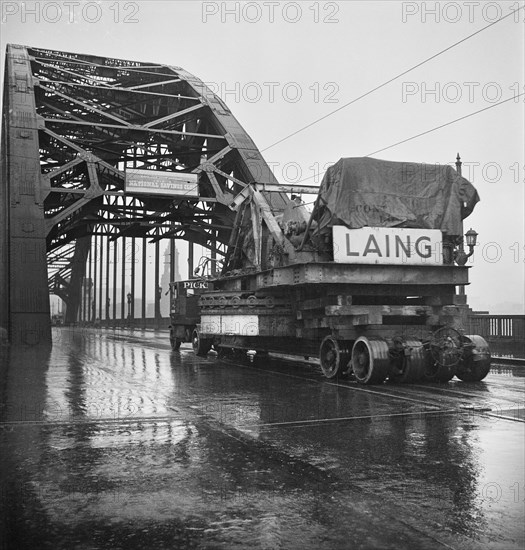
(509, 327)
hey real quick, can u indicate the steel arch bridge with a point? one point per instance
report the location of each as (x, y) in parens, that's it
(72, 125)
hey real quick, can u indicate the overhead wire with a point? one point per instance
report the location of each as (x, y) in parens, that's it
(447, 124)
(513, 12)
(514, 97)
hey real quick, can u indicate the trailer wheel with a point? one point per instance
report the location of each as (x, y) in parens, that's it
(370, 360)
(408, 361)
(445, 351)
(475, 364)
(201, 346)
(435, 372)
(332, 356)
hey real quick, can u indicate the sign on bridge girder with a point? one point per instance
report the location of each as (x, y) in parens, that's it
(154, 182)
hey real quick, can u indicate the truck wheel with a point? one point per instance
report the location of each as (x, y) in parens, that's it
(475, 364)
(174, 341)
(370, 360)
(332, 356)
(201, 346)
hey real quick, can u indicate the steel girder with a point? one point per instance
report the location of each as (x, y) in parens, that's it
(76, 123)
(24, 301)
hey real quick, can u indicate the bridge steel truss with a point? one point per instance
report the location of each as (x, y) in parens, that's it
(72, 125)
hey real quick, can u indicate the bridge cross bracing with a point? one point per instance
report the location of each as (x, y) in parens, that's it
(73, 126)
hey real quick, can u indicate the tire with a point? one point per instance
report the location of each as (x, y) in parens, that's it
(333, 357)
(201, 346)
(475, 364)
(370, 360)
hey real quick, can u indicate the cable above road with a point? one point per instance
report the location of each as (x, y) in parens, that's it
(441, 52)
(514, 97)
(446, 124)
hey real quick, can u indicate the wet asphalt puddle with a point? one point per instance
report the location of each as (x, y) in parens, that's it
(113, 441)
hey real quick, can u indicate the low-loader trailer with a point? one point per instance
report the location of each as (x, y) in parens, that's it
(371, 281)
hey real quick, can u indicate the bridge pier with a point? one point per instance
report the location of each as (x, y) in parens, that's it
(78, 269)
(24, 299)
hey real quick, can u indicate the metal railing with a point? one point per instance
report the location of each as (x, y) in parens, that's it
(510, 328)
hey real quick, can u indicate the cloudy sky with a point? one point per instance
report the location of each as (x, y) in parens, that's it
(282, 66)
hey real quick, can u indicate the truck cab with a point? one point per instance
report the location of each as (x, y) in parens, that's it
(184, 309)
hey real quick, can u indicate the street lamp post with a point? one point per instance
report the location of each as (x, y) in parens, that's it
(129, 297)
(157, 307)
(461, 257)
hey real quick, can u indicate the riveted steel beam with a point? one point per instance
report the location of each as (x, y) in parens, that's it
(81, 122)
(24, 300)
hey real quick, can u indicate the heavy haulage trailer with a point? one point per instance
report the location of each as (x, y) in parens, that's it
(371, 281)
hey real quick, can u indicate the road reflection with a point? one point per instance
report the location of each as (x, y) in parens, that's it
(116, 435)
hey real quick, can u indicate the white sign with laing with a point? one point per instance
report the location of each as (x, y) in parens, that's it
(387, 245)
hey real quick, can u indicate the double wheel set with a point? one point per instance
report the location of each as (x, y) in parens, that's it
(372, 360)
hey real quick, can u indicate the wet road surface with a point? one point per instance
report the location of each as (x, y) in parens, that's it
(111, 440)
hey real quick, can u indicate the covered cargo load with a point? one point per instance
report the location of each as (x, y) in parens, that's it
(359, 192)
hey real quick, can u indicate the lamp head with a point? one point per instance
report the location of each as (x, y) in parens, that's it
(471, 237)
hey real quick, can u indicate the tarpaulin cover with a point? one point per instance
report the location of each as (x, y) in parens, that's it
(359, 192)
